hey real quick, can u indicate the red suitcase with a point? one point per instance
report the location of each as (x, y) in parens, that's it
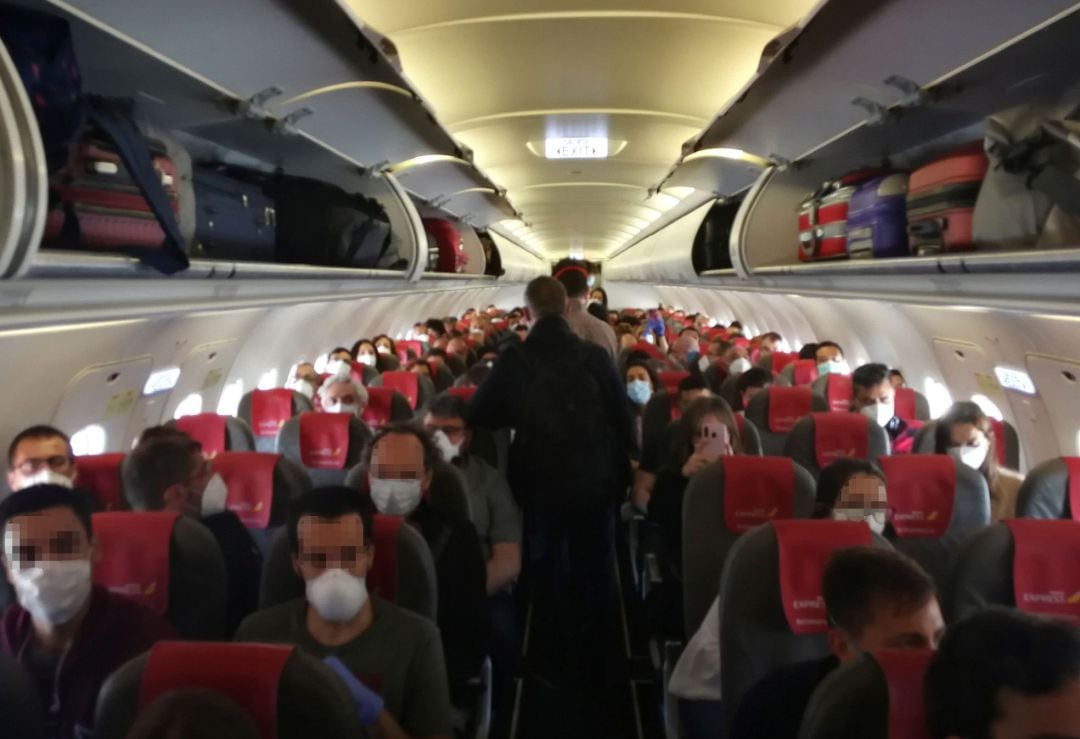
(445, 250)
(823, 216)
(95, 189)
(941, 201)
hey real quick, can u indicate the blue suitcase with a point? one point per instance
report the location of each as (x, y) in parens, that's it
(235, 218)
(877, 218)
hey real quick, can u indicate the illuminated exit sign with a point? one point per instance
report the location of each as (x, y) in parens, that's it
(587, 147)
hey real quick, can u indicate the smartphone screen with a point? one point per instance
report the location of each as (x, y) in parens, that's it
(716, 439)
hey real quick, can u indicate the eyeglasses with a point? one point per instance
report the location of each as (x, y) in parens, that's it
(32, 465)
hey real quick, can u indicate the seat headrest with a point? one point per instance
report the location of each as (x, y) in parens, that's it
(417, 347)
(803, 372)
(99, 474)
(904, 403)
(786, 406)
(651, 350)
(206, 428)
(134, 555)
(1051, 490)
(839, 391)
(249, 674)
(406, 383)
(905, 670)
(1001, 441)
(922, 493)
(1046, 567)
(324, 440)
(839, 436)
(757, 490)
(249, 478)
(383, 576)
(670, 379)
(270, 409)
(379, 409)
(465, 393)
(782, 359)
(804, 549)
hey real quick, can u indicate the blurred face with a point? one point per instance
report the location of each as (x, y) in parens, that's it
(343, 393)
(187, 497)
(897, 381)
(1052, 716)
(343, 356)
(862, 492)
(51, 535)
(399, 457)
(454, 428)
(421, 369)
(693, 335)
(331, 544)
(828, 354)
(306, 371)
(522, 332)
(33, 456)
(867, 396)
(627, 341)
(896, 627)
(686, 397)
(967, 434)
(366, 350)
(638, 373)
(596, 295)
(457, 348)
(770, 345)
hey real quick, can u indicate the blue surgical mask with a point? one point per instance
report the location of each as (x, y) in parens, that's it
(639, 391)
(835, 367)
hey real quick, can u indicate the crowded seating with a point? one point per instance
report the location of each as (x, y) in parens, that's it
(216, 433)
(776, 411)
(261, 487)
(326, 445)
(819, 439)
(266, 411)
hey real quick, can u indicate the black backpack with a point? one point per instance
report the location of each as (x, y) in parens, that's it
(565, 429)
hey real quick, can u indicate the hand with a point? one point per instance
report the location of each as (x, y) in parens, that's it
(369, 705)
(695, 464)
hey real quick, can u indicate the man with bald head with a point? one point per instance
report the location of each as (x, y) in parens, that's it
(569, 464)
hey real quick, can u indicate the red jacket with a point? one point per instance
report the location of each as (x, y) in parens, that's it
(115, 630)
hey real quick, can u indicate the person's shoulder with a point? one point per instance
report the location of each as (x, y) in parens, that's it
(408, 627)
(225, 523)
(275, 622)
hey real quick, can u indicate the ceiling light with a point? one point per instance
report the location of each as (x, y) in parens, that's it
(577, 147)
(1015, 379)
(425, 159)
(724, 152)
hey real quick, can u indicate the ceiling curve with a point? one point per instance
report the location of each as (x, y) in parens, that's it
(646, 75)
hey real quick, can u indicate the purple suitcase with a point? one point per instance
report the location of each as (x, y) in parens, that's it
(877, 218)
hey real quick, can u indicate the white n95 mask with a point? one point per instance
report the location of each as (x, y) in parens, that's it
(338, 368)
(336, 595)
(46, 476)
(879, 413)
(366, 359)
(395, 497)
(448, 449)
(53, 592)
(341, 408)
(739, 366)
(214, 496)
(873, 517)
(973, 456)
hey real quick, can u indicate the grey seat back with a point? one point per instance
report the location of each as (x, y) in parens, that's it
(767, 623)
(877, 696)
(24, 717)
(204, 428)
(1051, 490)
(1007, 438)
(309, 698)
(1030, 564)
(408, 561)
(266, 427)
(722, 502)
(261, 488)
(807, 369)
(326, 445)
(776, 411)
(729, 391)
(751, 437)
(935, 504)
(821, 438)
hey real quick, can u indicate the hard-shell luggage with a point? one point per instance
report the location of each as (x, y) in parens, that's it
(877, 218)
(941, 201)
(444, 246)
(319, 223)
(235, 218)
(823, 216)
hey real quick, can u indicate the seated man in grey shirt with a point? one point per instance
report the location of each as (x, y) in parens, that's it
(398, 677)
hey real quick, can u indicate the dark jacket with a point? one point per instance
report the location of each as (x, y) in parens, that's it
(114, 631)
(461, 572)
(501, 400)
(243, 565)
(774, 707)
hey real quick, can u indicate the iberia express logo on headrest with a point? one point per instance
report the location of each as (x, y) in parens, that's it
(326, 458)
(809, 614)
(919, 523)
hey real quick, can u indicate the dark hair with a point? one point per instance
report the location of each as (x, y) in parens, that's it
(736, 324)
(995, 649)
(436, 325)
(772, 335)
(161, 459)
(193, 714)
(709, 406)
(653, 378)
(356, 347)
(431, 452)
(858, 578)
(37, 498)
(753, 377)
(393, 344)
(833, 479)
(333, 501)
(546, 296)
(338, 350)
(689, 328)
(808, 351)
(475, 375)
(41, 431)
(870, 375)
(896, 373)
(603, 292)
(574, 276)
(445, 405)
(826, 345)
(694, 382)
(964, 411)
(597, 311)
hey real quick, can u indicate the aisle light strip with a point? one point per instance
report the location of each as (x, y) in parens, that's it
(424, 160)
(355, 85)
(725, 152)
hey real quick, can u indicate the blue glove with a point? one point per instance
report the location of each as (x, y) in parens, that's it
(369, 704)
(656, 326)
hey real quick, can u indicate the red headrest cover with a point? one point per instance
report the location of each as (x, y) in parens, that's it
(1000, 440)
(135, 555)
(671, 379)
(249, 476)
(756, 490)
(206, 428)
(650, 349)
(904, 402)
(805, 547)
(783, 359)
(380, 404)
(406, 383)
(839, 435)
(100, 474)
(922, 492)
(839, 392)
(270, 409)
(1046, 567)
(383, 576)
(465, 393)
(805, 372)
(246, 673)
(324, 440)
(1073, 466)
(786, 406)
(904, 671)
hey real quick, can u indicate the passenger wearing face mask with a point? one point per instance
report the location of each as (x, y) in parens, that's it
(68, 634)
(167, 471)
(339, 362)
(965, 433)
(498, 522)
(400, 464)
(41, 455)
(641, 383)
(875, 397)
(366, 353)
(305, 380)
(330, 534)
(830, 359)
(343, 394)
(750, 383)
(853, 490)
(874, 599)
(686, 351)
